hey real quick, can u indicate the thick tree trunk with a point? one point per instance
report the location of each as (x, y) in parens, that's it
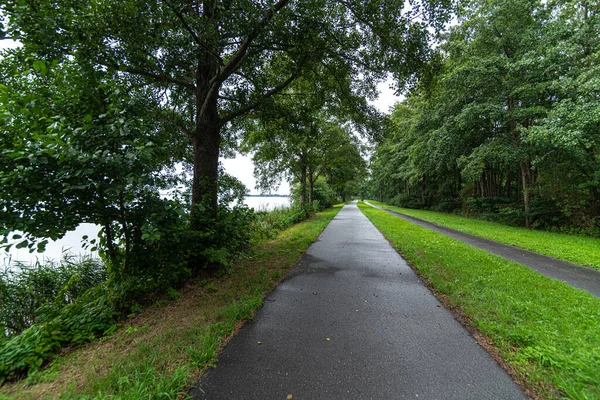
(206, 168)
(206, 141)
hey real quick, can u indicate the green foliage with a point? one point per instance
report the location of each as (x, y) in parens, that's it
(266, 224)
(546, 330)
(75, 148)
(506, 125)
(33, 293)
(84, 319)
(323, 195)
(201, 68)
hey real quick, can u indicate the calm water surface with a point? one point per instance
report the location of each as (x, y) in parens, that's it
(71, 242)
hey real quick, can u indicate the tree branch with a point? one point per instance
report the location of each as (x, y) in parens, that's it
(239, 57)
(184, 23)
(156, 76)
(242, 110)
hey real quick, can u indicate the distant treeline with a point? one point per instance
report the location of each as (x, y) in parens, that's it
(506, 126)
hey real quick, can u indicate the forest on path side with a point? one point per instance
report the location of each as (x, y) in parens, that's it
(506, 124)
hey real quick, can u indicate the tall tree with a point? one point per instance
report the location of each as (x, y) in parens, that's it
(299, 135)
(213, 61)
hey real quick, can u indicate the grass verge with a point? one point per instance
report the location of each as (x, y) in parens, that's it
(548, 332)
(163, 351)
(577, 249)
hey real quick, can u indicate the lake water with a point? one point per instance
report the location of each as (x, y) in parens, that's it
(71, 242)
(263, 203)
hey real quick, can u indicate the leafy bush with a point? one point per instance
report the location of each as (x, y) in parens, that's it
(323, 195)
(266, 224)
(489, 208)
(545, 214)
(447, 205)
(406, 200)
(90, 316)
(31, 292)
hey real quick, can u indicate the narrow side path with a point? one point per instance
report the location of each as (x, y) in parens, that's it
(578, 276)
(353, 321)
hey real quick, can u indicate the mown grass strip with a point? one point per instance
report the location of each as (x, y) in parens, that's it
(577, 249)
(163, 351)
(547, 331)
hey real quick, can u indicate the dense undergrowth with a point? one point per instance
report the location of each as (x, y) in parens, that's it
(546, 330)
(51, 305)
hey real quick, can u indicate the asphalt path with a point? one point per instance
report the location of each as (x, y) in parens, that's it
(353, 321)
(576, 275)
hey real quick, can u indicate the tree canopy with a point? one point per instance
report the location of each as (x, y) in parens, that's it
(507, 124)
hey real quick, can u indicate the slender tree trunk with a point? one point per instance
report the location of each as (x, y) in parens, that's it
(127, 265)
(310, 185)
(303, 186)
(508, 181)
(525, 177)
(110, 246)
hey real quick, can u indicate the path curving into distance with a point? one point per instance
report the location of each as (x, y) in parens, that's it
(353, 321)
(576, 275)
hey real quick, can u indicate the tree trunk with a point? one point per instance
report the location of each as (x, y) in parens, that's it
(303, 186)
(526, 177)
(206, 141)
(508, 181)
(310, 185)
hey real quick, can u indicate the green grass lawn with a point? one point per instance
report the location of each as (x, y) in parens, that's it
(547, 331)
(163, 350)
(577, 249)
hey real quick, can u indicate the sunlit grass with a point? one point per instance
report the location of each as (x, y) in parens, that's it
(548, 331)
(163, 351)
(577, 249)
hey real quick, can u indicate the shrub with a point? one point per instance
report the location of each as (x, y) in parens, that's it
(545, 214)
(323, 195)
(90, 316)
(407, 200)
(266, 224)
(31, 292)
(447, 205)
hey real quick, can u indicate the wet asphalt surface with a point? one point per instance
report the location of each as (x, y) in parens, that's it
(578, 276)
(353, 321)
